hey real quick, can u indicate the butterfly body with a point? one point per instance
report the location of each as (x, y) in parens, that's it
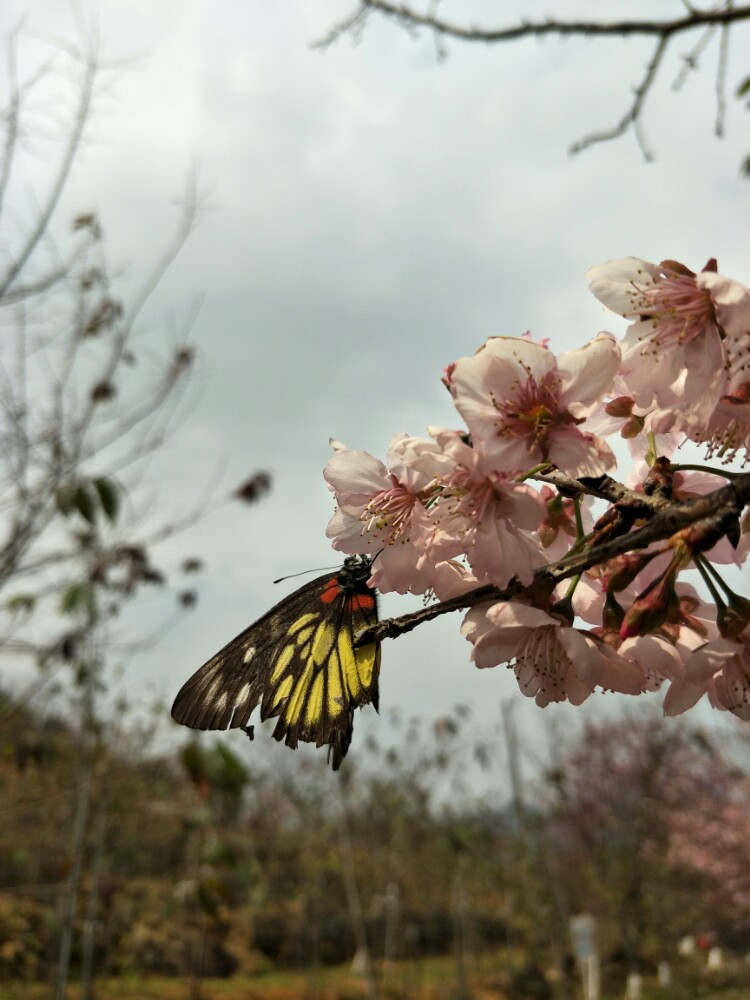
(299, 662)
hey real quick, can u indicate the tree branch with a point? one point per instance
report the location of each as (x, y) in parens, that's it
(723, 17)
(722, 506)
(411, 18)
(631, 115)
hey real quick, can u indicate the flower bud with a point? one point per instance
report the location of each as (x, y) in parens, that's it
(657, 605)
(621, 406)
(632, 428)
(733, 617)
(622, 570)
(613, 613)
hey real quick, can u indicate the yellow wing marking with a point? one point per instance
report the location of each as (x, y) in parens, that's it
(297, 697)
(322, 644)
(348, 664)
(283, 690)
(335, 699)
(303, 620)
(367, 659)
(314, 710)
(281, 662)
(304, 634)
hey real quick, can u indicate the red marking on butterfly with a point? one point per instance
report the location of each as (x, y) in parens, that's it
(331, 591)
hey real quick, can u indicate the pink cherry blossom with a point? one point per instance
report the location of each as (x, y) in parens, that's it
(552, 661)
(656, 656)
(482, 517)
(719, 669)
(523, 405)
(381, 509)
(688, 343)
(446, 515)
(726, 432)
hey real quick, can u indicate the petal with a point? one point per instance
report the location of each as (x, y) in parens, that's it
(661, 656)
(580, 454)
(515, 615)
(499, 552)
(705, 380)
(614, 283)
(681, 696)
(701, 665)
(584, 654)
(356, 475)
(588, 372)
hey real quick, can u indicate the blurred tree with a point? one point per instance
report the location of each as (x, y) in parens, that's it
(633, 816)
(86, 401)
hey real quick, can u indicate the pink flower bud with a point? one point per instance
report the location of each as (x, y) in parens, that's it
(657, 605)
(621, 406)
(622, 570)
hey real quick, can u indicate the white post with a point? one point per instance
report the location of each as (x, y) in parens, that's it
(635, 983)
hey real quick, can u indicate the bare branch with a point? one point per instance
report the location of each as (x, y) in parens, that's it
(721, 82)
(690, 61)
(351, 25)
(726, 15)
(631, 115)
(411, 18)
(61, 177)
(11, 132)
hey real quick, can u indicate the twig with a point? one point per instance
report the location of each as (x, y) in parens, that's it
(631, 115)
(61, 178)
(723, 505)
(408, 16)
(721, 82)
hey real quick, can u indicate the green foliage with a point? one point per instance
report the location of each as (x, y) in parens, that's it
(88, 497)
(85, 503)
(77, 598)
(109, 497)
(21, 603)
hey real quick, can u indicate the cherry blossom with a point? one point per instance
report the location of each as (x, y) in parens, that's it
(552, 661)
(719, 669)
(508, 501)
(381, 510)
(523, 405)
(688, 345)
(482, 516)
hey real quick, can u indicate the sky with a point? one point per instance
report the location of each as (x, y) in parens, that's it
(369, 213)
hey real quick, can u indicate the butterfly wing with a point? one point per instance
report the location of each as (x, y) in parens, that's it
(299, 663)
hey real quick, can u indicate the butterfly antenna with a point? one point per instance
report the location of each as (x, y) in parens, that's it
(303, 572)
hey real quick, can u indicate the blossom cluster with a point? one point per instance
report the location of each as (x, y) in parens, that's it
(467, 507)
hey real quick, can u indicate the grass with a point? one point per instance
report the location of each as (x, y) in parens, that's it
(433, 978)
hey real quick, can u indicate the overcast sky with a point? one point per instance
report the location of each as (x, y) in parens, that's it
(372, 213)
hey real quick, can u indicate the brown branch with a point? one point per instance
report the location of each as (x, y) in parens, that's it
(723, 507)
(412, 18)
(631, 115)
(664, 30)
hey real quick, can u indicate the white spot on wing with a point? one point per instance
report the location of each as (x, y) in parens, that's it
(249, 654)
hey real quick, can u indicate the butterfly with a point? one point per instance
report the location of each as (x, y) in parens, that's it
(299, 662)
